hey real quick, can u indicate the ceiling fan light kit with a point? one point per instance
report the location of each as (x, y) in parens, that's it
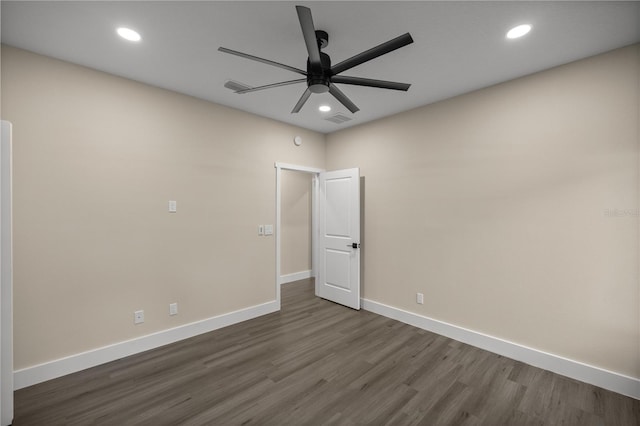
(320, 76)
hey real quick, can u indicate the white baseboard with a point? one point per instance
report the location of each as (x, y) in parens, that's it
(294, 277)
(615, 382)
(612, 381)
(74, 363)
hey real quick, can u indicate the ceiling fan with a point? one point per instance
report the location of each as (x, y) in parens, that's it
(320, 76)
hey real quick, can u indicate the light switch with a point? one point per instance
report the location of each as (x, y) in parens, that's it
(260, 229)
(173, 206)
(268, 230)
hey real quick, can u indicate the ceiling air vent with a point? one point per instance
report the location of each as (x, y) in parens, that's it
(236, 85)
(338, 118)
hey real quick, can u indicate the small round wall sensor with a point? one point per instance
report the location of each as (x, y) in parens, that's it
(297, 141)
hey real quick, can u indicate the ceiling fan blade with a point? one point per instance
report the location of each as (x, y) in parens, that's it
(269, 86)
(369, 82)
(264, 61)
(302, 101)
(337, 93)
(372, 53)
(309, 33)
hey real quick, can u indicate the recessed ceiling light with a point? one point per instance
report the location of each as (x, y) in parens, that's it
(128, 34)
(519, 31)
(324, 108)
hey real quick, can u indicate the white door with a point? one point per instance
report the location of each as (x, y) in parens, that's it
(339, 242)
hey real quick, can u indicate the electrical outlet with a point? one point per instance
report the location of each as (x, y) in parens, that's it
(173, 309)
(138, 317)
(419, 298)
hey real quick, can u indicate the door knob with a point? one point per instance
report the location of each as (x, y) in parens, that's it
(354, 245)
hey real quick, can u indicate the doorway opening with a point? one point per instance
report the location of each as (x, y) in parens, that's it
(296, 241)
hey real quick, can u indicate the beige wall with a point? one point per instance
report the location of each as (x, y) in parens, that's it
(495, 206)
(500, 206)
(295, 245)
(96, 159)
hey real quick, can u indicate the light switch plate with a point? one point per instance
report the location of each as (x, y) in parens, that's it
(173, 206)
(260, 229)
(268, 230)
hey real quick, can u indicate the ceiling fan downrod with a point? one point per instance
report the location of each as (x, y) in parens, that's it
(319, 78)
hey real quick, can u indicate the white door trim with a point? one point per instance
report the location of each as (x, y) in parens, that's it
(314, 222)
(6, 279)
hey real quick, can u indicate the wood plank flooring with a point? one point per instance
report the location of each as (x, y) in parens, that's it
(317, 363)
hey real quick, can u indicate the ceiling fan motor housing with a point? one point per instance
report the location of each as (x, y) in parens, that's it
(318, 79)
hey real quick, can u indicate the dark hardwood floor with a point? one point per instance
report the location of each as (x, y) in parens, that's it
(319, 363)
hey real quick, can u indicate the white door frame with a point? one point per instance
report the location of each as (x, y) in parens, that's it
(6, 279)
(314, 221)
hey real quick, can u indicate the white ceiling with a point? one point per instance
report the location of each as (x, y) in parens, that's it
(459, 46)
